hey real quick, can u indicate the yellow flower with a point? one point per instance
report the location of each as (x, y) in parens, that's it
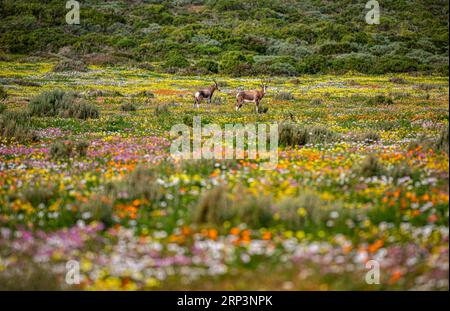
(300, 235)
(302, 212)
(151, 282)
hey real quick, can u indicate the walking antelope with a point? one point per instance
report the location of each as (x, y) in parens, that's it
(206, 93)
(253, 96)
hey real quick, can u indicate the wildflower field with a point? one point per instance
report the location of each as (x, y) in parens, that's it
(362, 176)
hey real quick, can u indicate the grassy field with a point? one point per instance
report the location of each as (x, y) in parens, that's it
(370, 182)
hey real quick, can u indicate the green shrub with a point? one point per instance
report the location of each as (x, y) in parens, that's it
(216, 206)
(162, 110)
(16, 126)
(128, 106)
(2, 107)
(68, 149)
(3, 94)
(140, 184)
(235, 63)
(284, 96)
(58, 103)
(442, 142)
(370, 167)
(397, 80)
(395, 64)
(207, 66)
(336, 48)
(294, 135)
(282, 69)
(32, 276)
(314, 64)
(380, 100)
(316, 102)
(175, 61)
(145, 93)
(70, 65)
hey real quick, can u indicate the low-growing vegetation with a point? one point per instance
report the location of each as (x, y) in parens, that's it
(62, 104)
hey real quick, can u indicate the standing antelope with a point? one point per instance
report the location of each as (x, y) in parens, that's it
(253, 96)
(205, 93)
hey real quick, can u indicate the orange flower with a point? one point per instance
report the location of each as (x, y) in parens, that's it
(267, 235)
(395, 276)
(212, 233)
(186, 230)
(375, 246)
(432, 218)
(235, 231)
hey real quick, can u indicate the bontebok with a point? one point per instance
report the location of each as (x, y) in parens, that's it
(253, 96)
(206, 93)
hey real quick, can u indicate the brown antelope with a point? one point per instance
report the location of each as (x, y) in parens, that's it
(206, 93)
(253, 96)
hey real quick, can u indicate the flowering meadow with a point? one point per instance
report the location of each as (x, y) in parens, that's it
(368, 182)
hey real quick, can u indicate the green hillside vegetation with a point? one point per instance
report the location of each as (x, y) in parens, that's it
(245, 37)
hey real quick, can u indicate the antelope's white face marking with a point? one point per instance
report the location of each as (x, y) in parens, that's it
(197, 95)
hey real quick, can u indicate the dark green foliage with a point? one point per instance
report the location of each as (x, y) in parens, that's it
(321, 36)
(291, 134)
(3, 93)
(314, 64)
(207, 66)
(235, 63)
(2, 107)
(380, 100)
(58, 103)
(175, 62)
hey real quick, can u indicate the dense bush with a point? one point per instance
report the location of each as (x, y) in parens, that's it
(207, 66)
(16, 126)
(291, 134)
(68, 149)
(284, 96)
(58, 103)
(235, 63)
(70, 65)
(171, 33)
(370, 166)
(128, 106)
(162, 110)
(380, 100)
(175, 62)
